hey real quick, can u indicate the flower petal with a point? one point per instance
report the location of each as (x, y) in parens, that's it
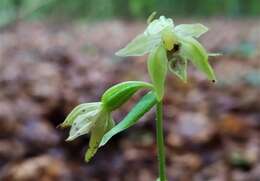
(139, 46)
(191, 30)
(82, 125)
(79, 110)
(193, 50)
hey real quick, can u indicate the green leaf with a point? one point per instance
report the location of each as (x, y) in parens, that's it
(117, 95)
(143, 106)
(97, 133)
(139, 46)
(178, 66)
(79, 110)
(191, 30)
(193, 50)
(157, 68)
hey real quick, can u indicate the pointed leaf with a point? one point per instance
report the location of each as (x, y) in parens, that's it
(192, 30)
(139, 46)
(193, 50)
(143, 106)
(157, 68)
(178, 66)
(117, 95)
(79, 110)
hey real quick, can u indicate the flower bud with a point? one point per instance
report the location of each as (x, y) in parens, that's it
(117, 95)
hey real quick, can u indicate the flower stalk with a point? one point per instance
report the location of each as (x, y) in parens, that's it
(160, 141)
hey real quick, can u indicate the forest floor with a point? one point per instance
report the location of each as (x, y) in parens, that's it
(212, 131)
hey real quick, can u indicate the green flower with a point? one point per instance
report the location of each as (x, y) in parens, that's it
(89, 118)
(170, 47)
(95, 118)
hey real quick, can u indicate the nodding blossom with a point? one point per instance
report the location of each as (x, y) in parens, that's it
(89, 118)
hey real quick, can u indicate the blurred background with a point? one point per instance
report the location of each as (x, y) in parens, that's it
(56, 54)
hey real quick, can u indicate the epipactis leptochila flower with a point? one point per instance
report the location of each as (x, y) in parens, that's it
(170, 47)
(88, 118)
(95, 118)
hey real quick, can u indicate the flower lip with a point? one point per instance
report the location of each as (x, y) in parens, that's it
(80, 110)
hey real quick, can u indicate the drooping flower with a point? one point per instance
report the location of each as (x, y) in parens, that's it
(89, 118)
(95, 118)
(170, 47)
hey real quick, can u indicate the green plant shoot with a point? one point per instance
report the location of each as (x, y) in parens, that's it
(170, 48)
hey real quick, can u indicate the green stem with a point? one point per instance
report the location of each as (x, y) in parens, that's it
(160, 141)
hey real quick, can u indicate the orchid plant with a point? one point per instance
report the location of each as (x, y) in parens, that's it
(170, 48)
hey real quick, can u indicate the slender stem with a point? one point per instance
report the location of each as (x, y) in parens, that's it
(160, 141)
